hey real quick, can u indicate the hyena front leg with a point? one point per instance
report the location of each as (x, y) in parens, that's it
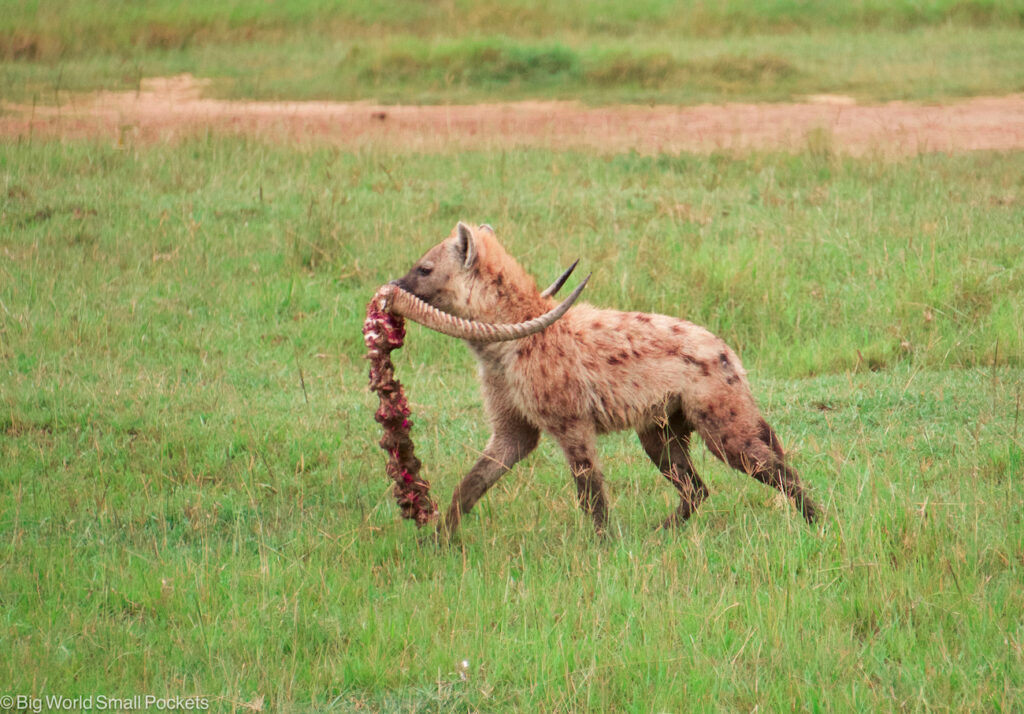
(669, 448)
(510, 442)
(580, 446)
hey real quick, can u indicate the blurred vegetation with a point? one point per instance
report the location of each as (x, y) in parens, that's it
(37, 30)
(414, 51)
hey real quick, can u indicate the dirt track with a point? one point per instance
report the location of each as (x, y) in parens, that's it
(170, 108)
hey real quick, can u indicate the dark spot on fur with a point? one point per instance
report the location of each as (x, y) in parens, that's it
(577, 455)
(636, 353)
(732, 413)
(612, 359)
(766, 435)
(676, 329)
(641, 317)
(499, 279)
(710, 417)
(747, 444)
(732, 379)
(597, 325)
(724, 359)
(525, 349)
(623, 356)
(581, 464)
(690, 360)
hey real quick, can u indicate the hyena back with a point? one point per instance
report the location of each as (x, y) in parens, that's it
(591, 372)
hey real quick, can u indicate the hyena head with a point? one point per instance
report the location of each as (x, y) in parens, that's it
(470, 275)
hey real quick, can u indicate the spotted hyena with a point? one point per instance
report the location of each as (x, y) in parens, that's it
(576, 373)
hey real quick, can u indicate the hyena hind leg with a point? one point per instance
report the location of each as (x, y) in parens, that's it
(762, 458)
(669, 448)
(785, 479)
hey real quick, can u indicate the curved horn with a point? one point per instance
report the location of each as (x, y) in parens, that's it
(557, 285)
(400, 302)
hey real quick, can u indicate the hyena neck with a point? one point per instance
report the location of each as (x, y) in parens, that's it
(504, 293)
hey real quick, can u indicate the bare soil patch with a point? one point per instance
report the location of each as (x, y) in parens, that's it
(169, 108)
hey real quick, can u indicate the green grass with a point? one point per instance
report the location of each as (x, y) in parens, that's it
(464, 52)
(192, 500)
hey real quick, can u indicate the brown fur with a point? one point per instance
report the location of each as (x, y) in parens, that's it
(592, 372)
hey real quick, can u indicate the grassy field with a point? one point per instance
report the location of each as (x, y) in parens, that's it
(192, 500)
(413, 51)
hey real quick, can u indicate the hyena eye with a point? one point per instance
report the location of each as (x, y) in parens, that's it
(424, 270)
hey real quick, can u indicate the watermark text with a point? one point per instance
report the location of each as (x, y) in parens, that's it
(101, 703)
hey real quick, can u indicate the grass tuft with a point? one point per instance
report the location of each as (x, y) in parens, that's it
(479, 64)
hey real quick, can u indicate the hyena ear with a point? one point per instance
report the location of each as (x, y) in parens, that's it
(466, 244)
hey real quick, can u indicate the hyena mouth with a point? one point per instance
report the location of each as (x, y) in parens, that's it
(392, 298)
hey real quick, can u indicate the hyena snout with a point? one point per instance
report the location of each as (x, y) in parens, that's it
(427, 287)
(442, 276)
